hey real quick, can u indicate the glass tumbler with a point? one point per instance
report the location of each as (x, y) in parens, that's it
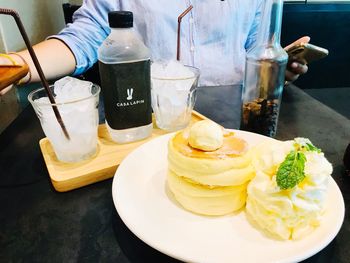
(80, 117)
(173, 100)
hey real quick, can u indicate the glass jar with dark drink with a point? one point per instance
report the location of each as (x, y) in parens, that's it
(264, 74)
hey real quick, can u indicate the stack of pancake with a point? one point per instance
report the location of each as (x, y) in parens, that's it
(209, 169)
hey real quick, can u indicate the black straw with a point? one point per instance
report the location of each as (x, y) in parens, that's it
(20, 26)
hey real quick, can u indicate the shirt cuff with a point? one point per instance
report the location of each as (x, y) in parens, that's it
(80, 62)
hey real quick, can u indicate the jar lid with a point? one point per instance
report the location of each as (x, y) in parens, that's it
(120, 19)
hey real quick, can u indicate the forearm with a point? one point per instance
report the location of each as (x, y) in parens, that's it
(54, 56)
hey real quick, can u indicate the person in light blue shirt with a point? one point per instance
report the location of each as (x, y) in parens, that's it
(215, 36)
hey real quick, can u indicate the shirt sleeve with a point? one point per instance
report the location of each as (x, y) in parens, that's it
(253, 32)
(87, 32)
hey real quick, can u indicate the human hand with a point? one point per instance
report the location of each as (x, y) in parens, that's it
(296, 68)
(5, 90)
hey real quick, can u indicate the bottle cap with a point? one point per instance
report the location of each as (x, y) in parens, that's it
(120, 19)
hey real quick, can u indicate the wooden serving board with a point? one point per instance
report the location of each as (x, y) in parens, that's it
(69, 176)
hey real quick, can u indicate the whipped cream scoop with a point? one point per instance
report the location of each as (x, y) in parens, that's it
(287, 213)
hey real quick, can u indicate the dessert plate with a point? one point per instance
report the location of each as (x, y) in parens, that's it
(148, 209)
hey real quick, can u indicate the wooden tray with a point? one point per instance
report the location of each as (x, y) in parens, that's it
(69, 176)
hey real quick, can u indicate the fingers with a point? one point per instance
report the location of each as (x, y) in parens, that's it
(290, 76)
(294, 70)
(5, 90)
(297, 68)
(304, 39)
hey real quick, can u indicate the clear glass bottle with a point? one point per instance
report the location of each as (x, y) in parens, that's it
(124, 64)
(264, 74)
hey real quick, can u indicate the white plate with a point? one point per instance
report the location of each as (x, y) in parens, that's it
(146, 207)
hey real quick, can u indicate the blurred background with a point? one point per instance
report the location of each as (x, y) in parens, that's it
(326, 21)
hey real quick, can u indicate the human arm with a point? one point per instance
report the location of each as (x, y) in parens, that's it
(54, 56)
(74, 49)
(87, 32)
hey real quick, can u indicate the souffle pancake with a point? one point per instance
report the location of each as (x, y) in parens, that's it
(209, 169)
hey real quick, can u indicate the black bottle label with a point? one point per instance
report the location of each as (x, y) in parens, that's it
(126, 91)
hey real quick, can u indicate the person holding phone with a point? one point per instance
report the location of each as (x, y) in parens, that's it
(215, 37)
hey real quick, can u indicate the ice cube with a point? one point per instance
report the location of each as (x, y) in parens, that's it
(69, 89)
(43, 107)
(171, 93)
(170, 69)
(78, 109)
(76, 116)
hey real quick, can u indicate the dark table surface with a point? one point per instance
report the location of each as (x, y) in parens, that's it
(335, 98)
(38, 224)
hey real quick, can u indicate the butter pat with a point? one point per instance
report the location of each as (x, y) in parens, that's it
(206, 135)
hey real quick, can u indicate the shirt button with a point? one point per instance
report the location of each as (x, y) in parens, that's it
(192, 48)
(191, 20)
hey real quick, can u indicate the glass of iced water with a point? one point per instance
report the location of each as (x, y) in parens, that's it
(173, 94)
(77, 102)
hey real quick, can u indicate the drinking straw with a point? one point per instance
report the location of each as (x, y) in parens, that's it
(179, 19)
(20, 26)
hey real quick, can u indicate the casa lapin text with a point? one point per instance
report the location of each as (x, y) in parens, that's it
(129, 101)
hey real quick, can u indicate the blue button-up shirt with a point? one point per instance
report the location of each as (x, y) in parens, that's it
(215, 35)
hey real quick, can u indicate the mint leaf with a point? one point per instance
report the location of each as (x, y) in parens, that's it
(291, 171)
(312, 148)
(305, 145)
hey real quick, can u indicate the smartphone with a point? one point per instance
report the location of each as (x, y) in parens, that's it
(307, 53)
